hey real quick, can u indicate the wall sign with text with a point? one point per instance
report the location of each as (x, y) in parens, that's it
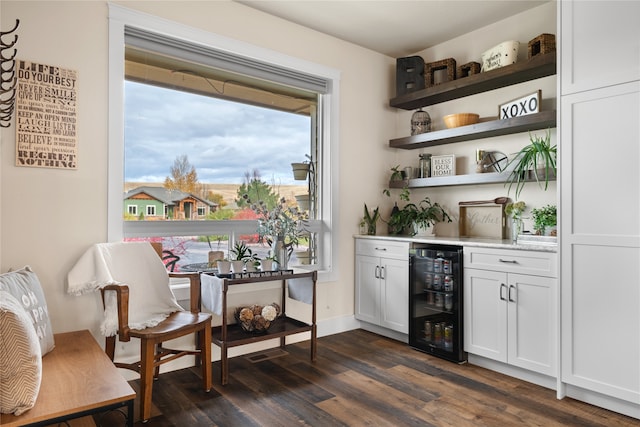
(46, 116)
(529, 104)
(443, 165)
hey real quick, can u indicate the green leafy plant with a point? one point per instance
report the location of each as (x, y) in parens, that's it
(241, 252)
(371, 219)
(538, 156)
(396, 173)
(515, 210)
(544, 217)
(423, 214)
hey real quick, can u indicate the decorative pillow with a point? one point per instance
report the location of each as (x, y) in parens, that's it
(20, 357)
(24, 285)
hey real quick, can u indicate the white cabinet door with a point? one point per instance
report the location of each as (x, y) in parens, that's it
(367, 289)
(600, 44)
(600, 226)
(395, 295)
(532, 322)
(485, 313)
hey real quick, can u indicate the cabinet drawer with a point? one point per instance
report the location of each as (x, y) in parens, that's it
(511, 261)
(382, 248)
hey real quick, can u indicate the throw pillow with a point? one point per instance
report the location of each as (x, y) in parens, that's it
(20, 357)
(24, 285)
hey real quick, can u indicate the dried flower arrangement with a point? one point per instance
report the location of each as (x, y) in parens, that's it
(257, 318)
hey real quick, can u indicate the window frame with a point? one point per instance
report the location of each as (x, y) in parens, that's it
(327, 229)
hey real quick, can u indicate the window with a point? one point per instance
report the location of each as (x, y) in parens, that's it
(160, 59)
(132, 209)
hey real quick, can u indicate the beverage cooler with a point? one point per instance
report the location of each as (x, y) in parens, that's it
(435, 301)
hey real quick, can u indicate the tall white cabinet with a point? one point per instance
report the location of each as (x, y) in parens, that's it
(600, 203)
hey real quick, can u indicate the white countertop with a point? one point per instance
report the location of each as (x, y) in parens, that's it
(467, 241)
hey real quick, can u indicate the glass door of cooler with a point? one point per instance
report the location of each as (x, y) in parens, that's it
(435, 301)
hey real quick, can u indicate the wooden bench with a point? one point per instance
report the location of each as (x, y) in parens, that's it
(78, 379)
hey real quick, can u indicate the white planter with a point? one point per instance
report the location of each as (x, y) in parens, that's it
(424, 231)
(237, 266)
(266, 265)
(224, 267)
(300, 171)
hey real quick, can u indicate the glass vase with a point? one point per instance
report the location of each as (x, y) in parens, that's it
(281, 253)
(516, 228)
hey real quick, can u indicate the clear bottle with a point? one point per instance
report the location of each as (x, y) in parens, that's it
(448, 337)
(425, 165)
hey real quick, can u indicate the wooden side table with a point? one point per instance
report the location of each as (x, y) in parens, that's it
(226, 335)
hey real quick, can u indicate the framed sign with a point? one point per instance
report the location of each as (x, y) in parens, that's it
(529, 104)
(46, 116)
(443, 165)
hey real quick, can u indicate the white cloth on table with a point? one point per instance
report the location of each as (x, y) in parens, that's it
(135, 264)
(211, 289)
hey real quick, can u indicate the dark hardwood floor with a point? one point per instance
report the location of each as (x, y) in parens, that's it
(361, 379)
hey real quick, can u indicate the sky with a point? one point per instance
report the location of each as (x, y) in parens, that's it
(222, 139)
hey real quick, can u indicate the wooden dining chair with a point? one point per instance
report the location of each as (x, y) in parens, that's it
(152, 352)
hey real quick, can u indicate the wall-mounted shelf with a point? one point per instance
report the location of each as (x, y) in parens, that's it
(542, 120)
(542, 65)
(444, 181)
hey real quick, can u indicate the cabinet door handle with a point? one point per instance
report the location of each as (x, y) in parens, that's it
(508, 261)
(511, 287)
(381, 249)
(382, 273)
(377, 273)
(502, 286)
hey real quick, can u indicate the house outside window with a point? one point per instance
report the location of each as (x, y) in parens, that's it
(132, 209)
(196, 219)
(151, 210)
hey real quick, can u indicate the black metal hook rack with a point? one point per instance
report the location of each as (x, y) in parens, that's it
(8, 77)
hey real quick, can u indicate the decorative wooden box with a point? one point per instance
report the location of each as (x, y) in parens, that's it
(544, 43)
(448, 64)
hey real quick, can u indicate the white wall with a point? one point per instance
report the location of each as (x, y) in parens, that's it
(49, 217)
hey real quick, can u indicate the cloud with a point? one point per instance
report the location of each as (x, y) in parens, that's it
(222, 139)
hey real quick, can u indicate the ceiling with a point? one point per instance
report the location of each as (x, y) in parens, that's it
(396, 28)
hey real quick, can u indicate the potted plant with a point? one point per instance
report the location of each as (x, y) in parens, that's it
(427, 214)
(515, 211)
(301, 169)
(538, 158)
(370, 220)
(224, 266)
(266, 264)
(397, 174)
(241, 254)
(417, 218)
(544, 220)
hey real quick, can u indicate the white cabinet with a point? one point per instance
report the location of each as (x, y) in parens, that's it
(600, 44)
(600, 203)
(510, 309)
(382, 283)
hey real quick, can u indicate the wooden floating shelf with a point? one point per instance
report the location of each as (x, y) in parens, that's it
(543, 120)
(542, 65)
(469, 179)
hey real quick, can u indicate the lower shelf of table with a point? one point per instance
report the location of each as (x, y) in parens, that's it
(236, 336)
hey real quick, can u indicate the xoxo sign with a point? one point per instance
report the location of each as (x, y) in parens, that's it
(529, 104)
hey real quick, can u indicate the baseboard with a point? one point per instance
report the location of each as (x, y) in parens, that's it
(394, 335)
(513, 371)
(611, 403)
